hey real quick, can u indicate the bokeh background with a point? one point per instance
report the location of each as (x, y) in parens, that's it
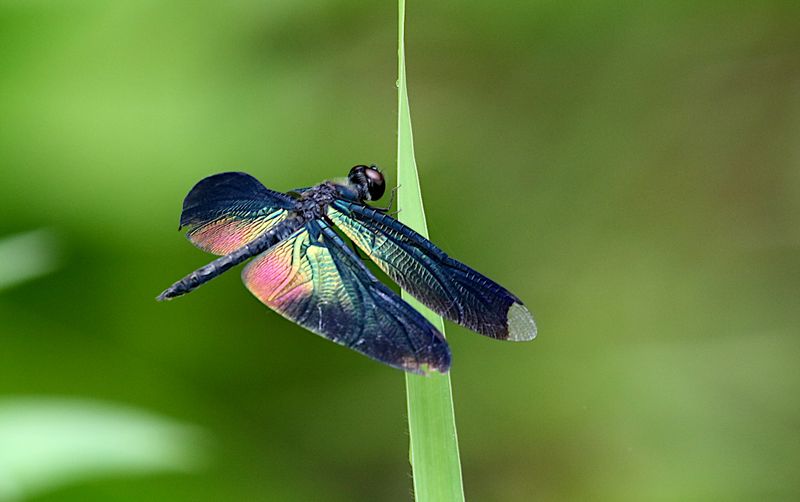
(631, 170)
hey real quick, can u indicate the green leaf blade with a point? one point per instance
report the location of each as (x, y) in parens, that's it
(434, 444)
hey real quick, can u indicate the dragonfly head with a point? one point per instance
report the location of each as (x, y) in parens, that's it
(368, 180)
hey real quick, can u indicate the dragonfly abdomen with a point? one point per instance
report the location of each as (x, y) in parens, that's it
(260, 244)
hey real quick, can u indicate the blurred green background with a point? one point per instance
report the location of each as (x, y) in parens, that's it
(630, 170)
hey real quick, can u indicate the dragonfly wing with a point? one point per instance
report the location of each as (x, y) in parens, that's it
(313, 279)
(445, 285)
(225, 211)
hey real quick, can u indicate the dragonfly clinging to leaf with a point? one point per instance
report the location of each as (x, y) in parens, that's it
(304, 270)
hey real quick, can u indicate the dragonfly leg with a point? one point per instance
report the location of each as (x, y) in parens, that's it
(391, 202)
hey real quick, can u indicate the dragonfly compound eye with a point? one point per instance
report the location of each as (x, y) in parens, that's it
(368, 180)
(375, 183)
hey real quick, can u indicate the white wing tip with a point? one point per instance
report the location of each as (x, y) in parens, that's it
(521, 326)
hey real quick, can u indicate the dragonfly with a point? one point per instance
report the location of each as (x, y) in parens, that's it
(304, 269)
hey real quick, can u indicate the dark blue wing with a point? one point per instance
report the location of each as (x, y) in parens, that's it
(226, 211)
(445, 285)
(313, 279)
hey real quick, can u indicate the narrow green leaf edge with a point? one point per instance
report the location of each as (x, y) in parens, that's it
(434, 456)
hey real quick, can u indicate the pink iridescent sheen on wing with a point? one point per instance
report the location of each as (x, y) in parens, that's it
(281, 277)
(228, 233)
(311, 278)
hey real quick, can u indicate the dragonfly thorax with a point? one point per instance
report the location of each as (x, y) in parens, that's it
(314, 202)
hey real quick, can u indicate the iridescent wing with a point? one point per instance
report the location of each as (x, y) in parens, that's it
(445, 285)
(313, 279)
(226, 211)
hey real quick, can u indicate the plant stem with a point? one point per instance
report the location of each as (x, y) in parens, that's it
(432, 428)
